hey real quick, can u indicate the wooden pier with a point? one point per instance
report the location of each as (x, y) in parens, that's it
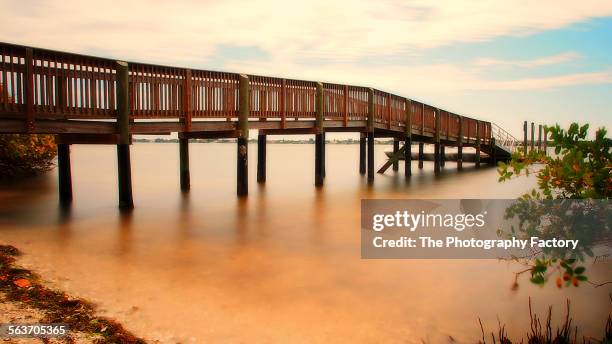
(91, 100)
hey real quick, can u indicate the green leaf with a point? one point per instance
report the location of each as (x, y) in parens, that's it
(579, 270)
(538, 279)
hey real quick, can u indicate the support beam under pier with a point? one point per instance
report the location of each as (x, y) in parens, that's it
(421, 156)
(261, 158)
(437, 142)
(64, 174)
(124, 166)
(362, 153)
(319, 158)
(184, 164)
(370, 136)
(395, 149)
(124, 171)
(460, 145)
(242, 153)
(319, 137)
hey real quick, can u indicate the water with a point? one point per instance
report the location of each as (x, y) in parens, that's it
(282, 265)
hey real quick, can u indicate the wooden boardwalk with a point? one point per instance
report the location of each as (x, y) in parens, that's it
(85, 99)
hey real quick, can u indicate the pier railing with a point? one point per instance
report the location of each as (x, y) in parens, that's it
(504, 139)
(45, 84)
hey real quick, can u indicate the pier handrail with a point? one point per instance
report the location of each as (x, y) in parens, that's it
(47, 84)
(504, 139)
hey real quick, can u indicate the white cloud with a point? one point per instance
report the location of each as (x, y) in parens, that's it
(189, 31)
(294, 35)
(542, 61)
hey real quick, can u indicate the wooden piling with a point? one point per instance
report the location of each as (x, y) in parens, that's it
(421, 155)
(124, 168)
(460, 145)
(324, 150)
(525, 142)
(478, 134)
(319, 138)
(261, 158)
(395, 150)
(370, 124)
(184, 163)
(362, 153)
(545, 140)
(64, 174)
(437, 142)
(539, 137)
(242, 154)
(442, 155)
(185, 178)
(532, 136)
(408, 140)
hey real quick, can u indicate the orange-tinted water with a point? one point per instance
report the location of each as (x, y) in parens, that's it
(282, 265)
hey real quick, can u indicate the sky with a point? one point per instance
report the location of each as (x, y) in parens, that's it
(503, 61)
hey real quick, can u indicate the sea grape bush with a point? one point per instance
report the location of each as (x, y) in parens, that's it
(574, 186)
(25, 155)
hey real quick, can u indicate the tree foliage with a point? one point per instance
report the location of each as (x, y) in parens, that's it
(25, 155)
(570, 202)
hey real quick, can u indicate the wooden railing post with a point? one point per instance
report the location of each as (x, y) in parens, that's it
(60, 89)
(319, 138)
(370, 128)
(438, 122)
(187, 100)
(283, 104)
(29, 85)
(242, 182)
(422, 119)
(408, 139)
(123, 125)
(478, 133)
(460, 145)
(346, 95)
(389, 111)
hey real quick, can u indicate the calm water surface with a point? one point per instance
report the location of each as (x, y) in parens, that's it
(282, 265)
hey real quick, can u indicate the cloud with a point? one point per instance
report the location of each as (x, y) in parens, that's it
(343, 41)
(190, 31)
(543, 61)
